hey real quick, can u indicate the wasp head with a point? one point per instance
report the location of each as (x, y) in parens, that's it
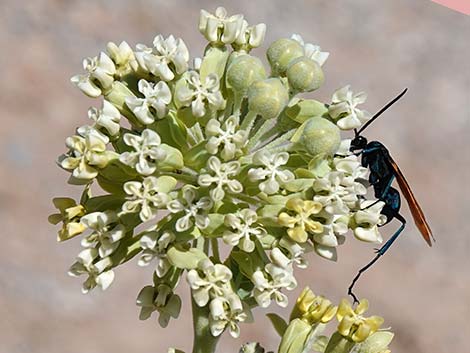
(358, 143)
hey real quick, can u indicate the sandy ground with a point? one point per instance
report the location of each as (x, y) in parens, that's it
(377, 46)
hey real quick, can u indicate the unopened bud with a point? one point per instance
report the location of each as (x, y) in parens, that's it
(243, 71)
(267, 98)
(281, 53)
(318, 136)
(305, 75)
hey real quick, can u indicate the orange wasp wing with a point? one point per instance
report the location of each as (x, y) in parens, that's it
(415, 209)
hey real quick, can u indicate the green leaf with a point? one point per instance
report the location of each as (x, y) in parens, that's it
(319, 166)
(305, 109)
(248, 263)
(178, 130)
(297, 185)
(117, 96)
(216, 220)
(279, 324)
(103, 203)
(128, 248)
(185, 258)
(173, 160)
(166, 183)
(272, 211)
(197, 156)
(245, 288)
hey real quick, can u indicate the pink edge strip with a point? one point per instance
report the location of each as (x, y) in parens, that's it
(462, 6)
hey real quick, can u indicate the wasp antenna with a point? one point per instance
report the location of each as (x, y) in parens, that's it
(355, 132)
(388, 105)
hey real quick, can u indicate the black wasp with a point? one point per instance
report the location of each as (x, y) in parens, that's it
(383, 171)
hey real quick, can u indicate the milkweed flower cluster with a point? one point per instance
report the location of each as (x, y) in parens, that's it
(180, 158)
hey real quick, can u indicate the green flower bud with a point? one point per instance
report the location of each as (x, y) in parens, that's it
(281, 52)
(243, 71)
(304, 75)
(267, 98)
(318, 136)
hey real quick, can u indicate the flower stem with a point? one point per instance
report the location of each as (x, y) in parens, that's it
(265, 127)
(248, 121)
(204, 342)
(215, 249)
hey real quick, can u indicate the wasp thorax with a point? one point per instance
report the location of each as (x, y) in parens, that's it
(243, 71)
(304, 74)
(267, 97)
(318, 136)
(281, 53)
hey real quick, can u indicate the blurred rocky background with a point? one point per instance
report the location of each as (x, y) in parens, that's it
(377, 46)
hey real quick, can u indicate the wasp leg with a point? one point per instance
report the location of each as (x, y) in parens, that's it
(359, 273)
(394, 237)
(384, 192)
(352, 154)
(380, 252)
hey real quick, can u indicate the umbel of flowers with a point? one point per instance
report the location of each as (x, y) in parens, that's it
(180, 157)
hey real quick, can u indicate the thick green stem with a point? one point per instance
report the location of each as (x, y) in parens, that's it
(204, 342)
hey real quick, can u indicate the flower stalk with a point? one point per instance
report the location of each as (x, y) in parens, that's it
(203, 340)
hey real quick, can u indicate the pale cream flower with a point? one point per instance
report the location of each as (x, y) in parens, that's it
(243, 229)
(367, 221)
(87, 154)
(226, 136)
(194, 210)
(100, 75)
(269, 283)
(200, 94)
(250, 36)
(122, 56)
(343, 109)
(69, 214)
(338, 192)
(155, 246)
(98, 270)
(227, 312)
(312, 51)
(168, 57)
(106, 232)
(107, 118)
(148, 196)
(156, 99)
(219, 28)
(147, 152)
(209, 281)
(221, 175)
(270, 171)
